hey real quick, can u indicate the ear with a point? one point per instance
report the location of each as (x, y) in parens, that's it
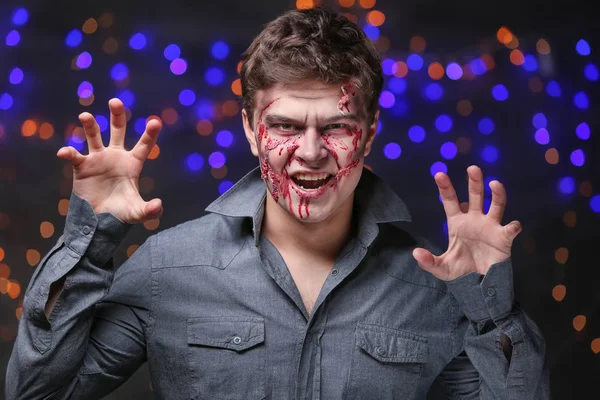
(371, 133)
(250, 136)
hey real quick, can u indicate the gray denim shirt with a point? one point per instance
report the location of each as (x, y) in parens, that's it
(213, 309)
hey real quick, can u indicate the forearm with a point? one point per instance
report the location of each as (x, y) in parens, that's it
(503, 343)
(59, 304)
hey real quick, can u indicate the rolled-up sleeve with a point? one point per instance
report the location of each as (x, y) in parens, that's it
(488, 303)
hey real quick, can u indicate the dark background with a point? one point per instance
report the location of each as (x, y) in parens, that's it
(33, 180)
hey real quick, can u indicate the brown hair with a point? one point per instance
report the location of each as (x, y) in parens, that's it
(311, 44)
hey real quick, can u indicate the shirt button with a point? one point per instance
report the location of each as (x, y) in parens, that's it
(237, 340)
(335, 272)
(86, 230)
(379, 351)
(491, 291)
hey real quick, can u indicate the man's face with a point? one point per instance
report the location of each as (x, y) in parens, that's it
(311, 139)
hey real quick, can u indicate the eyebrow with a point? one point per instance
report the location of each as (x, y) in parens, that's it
(272, 118)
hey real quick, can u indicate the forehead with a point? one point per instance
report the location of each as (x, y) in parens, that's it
(306, 97)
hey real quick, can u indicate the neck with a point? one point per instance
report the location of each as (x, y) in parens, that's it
(323, 239)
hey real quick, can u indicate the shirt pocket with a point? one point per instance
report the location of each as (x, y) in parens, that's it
(226, 357)
(386, 363)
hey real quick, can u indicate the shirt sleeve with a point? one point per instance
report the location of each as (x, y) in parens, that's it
(488, 304)
(56, 356)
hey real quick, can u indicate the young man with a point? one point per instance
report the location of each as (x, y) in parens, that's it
(303, 289)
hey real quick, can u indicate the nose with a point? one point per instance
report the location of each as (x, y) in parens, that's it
(311, 147)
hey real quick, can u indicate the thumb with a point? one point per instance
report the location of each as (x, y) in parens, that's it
(425, 259)
(153, 209)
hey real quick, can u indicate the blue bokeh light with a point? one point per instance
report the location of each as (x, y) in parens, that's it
(13, 38)
(225, 186)
(486, 126)
(217, 159)
(140, 125)
(371, 31)
(591, 72)
(137, 41)
(448, 150)
(454, 71)
(542, 136)
(187, 97)
(20, 16)
(489, 153)
(119, 72)
(443, 123)
(433, 91)
(478, 66)
(84, 60)
(102, 122)
(578, 158)
(220, 50)
(204, 109)
(178, 66)
(224, 138)
(214, 76)
(414, 62)
(530, 63)
(74, 38)
(583, 131)
(401, 108)
(581, 100)
(392, 150)
(500, 92)
(595, 203)
(386, 99)
(539, 121)
(16, 76)
(566, 185)
(389, 66)
(6, 101)
(85, 90)
(438, 167)
(172, 52)
(194, 162)
(127, 97)
(397, 85)
(416, 133)
(379, 126)
(583, 48)
(553, 89)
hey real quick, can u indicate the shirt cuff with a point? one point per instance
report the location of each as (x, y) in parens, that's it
(96, 236)
(482, 297)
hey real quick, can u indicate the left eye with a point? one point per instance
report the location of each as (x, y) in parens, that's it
(286, 127)
(336, 126)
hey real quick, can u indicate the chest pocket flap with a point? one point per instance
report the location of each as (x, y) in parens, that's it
(389, 345)
(234, 333)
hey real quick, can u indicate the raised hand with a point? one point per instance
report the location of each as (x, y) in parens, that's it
(476, 240)
(108, 177)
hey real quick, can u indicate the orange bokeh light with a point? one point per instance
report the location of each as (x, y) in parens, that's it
(236, 87)
(417, 44)
(579, 322)
(517, 57)
(90, 26)
(204, 127)
(169, 116)
(29, 128)
(46, 130)
(435, 71)
(559, 292)
(154, 152)
(346, 3)
(542, 47)
(552, 156)
(401, 69)
(367, 3)
(375, 18)
(33, 257)
(504, 35)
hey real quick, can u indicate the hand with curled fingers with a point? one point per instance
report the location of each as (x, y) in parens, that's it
(476, 240)
(108, 177)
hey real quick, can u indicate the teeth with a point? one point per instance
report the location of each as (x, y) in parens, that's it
(311, 177)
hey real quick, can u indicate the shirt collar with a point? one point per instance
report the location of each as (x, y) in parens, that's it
(376, 203)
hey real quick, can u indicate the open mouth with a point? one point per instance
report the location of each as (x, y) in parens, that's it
(311, 181)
